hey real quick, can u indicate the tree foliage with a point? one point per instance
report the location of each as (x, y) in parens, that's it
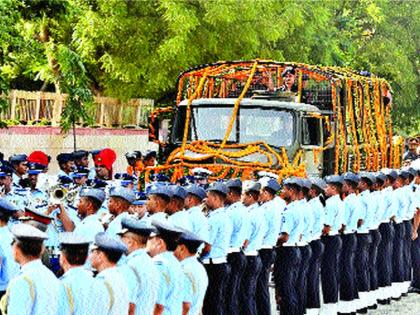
(132, 49)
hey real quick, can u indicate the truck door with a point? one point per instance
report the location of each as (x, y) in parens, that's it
(312, 142)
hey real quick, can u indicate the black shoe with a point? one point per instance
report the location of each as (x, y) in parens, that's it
(396, 299)
(382, 302)
(404, 294)
(413, 290)
(388, 301)
(363, 310)
(343, 313)
(373, 307)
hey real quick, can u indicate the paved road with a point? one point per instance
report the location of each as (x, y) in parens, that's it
(409, 305)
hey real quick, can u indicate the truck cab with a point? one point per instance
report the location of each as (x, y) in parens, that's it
(280, 124)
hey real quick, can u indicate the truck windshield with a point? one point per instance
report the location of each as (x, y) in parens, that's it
(273, 126)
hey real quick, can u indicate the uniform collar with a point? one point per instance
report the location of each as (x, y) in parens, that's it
(74, 271)
(32, 265)
(137, 253)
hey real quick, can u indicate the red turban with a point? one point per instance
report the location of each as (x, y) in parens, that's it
(106, 158)
(38, 157)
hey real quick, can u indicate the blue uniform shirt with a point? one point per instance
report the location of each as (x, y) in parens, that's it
(83, 294)
(198, 222)
(318, 212)
(8, 267)
(171, 283)
(291, 222)
(257, 228)
(180, 219)
(386, 204)
(115, 225)
(240, 220)
(146, 278)
(34, 291)
(196, 282)
(308, 222)
(117, 290)
(273, 211)
(89, 227)
(334, 211)
(220, 231)
(352, 212)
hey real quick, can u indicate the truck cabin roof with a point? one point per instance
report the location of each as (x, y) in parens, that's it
(253, 102)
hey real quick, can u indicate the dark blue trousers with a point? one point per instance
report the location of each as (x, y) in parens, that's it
(314, 273)
(249, 285)
(330, 268)
(237, 262)
(214, 301)
(263, 295)
(285, 276)
(306, 254)
(385, 250)
(415, 256)
(348, 291)
(407, 250)
(397, 256)
(376, 238)
(362, 262)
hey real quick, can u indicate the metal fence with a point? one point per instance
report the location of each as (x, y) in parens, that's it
(27, 106)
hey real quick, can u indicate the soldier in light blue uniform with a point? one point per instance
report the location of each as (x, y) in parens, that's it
(352, 215)
(239, 217)
(334, 210)
(157, 203)
(90, 202)
(17, 197)
(305, 249)
(105, 253)
(120, 199)
(316, 204)
(82, 294)
(272, 207)
(250, 196)
(20, 166)
(288, 253)
(161, 245)
(8, 267)
(196, 280)
(35, 290)
(194, 205)
(364, 240)
(139, 269)
(177, 216)
(66, 164)
(214, 256)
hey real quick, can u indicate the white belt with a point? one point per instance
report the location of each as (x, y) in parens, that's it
(348, 232)
(385, 221)
(251, 253)
(266, 247)
(289, 245)
(332, 233)
(363, 232)
(234, 250)
(214, 261)
(301, 244)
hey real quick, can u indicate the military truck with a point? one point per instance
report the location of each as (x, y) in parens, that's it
(241, 117)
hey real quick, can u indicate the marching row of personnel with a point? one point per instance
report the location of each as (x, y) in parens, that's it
(187, 250)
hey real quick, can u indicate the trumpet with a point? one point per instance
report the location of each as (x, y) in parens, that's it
(59, 194)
